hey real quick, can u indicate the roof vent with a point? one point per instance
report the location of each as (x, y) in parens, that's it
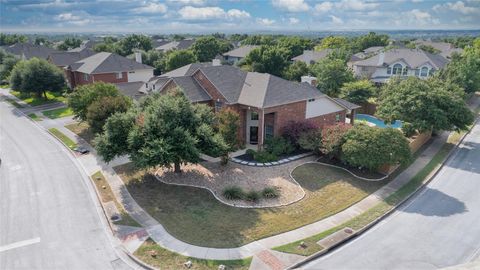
(216, 62)
(310, 80)
(138, 57)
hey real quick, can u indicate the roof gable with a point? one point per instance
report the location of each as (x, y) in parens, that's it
(104, 62)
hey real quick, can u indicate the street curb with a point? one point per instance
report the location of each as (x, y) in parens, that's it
(429, 177)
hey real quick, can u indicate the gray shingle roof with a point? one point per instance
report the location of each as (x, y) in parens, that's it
(414, 58)
(186, 70)
(131, 89)
(310, 57)
(373, 49)
(281, 91)
(176, 45)
(241, 52)
(104, 62)
(64, 59)
(347, 104)
(192, 89)
(227, 79)
(29, 50)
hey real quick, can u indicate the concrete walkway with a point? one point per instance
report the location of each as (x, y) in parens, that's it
(157, 232)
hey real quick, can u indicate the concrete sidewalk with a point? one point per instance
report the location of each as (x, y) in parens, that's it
(157, 232)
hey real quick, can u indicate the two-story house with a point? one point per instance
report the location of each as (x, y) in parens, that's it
(398, 62)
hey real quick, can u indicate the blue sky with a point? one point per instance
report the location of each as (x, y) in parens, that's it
(167, 16)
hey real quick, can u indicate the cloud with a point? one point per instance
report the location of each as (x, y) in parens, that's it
(188, 2)
(265, 21)
(336, 20)
(211, 13)
(72, 19)
(293, 21)
(238, 14)
(458, 6)
(323, 7)
(356, 5)
(151, 8)
(291, 5)
(417, 17)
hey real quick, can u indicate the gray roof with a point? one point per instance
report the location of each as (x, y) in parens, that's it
(227, 79)
(131, 89)
(159, 42)
(28, 50)
(63, 59)
(310, 57)
(241, 52)
(446, 49)
(347, 104)
(86, 45)
(192, 89)
(104, 62)
(414, 58)
(373, 49)
(186, 70)
(176, 45)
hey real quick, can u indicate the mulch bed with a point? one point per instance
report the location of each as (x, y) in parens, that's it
(360, 172)
(249, 158)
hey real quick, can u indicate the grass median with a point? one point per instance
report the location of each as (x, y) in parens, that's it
(154, 255)
(35, 100)
(58, 113)
(62, 137)
(83, 131)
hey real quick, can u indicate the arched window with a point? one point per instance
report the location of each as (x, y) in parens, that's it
(424, 72)
(397, 69)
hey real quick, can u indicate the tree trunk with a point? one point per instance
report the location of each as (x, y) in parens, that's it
(177, 167)
(45, 95)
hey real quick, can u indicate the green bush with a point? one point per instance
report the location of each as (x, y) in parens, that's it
(408, 129)
(311, 140)
(233, 193)
(278, 146)
(252, 196)
(250, 152)
(270, 193)
(264, 156)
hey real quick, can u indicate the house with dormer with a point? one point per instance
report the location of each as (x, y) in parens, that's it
(399, 62)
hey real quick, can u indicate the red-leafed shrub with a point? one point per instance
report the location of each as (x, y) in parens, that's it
(293, 130)
(333, 138)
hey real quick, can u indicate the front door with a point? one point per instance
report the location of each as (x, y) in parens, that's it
(253, 135)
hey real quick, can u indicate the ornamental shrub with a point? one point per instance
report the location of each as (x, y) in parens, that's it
(278, 146)
(332, 139)
(233, 193)
(408, 129)
(311, 140)
(252, 196)
(294, 129)
(264, 156)
(270, 193)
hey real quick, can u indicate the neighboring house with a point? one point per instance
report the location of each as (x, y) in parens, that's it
(27, 51)
(238, 54)
(310, 57)
(159, 42)
(265, 103)
(176, 45)
(368, 52)
(64, 59)
(134, 90)
(157, 82)
(399, 62)
(107, 67)
(86, 45)
(445, 49)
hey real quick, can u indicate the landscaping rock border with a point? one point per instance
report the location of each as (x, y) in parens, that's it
(359, 177)
(273, 163)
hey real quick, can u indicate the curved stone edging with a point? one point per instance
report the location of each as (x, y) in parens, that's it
(359, 177)
(220, 199)
(273, 163)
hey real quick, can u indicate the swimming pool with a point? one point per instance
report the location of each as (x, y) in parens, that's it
(377, 122)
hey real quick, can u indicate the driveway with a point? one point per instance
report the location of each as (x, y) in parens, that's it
(49, 218)
(437, 228)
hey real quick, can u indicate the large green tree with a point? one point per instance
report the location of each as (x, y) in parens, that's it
(130, 43)
(333, 42)
(69, 43)
(294, 45)
(162, 130)
(268, 59)
(7, 62)
(372, 147)
(295, 71)
(37, 76)
(6, 39)
(464, 69)
(370, 40)
(102, 108)
(357, 91)
(206, 48)
(83, 96)
(331, 75)
(427, 105)
(179, 58)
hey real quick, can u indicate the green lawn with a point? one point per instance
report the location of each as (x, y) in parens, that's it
(106, 195)
(195, 216)
(377, 211)
(83, 131)
(35, 117)
(58, 113)
(34, 100)
(66, 140)
(165, 259)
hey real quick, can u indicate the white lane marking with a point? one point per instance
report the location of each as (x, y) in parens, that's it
(20, 244)
(15, 168)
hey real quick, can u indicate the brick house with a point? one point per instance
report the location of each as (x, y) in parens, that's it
(107, 67)
(265, 103)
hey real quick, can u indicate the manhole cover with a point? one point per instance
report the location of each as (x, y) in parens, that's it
(348, 230)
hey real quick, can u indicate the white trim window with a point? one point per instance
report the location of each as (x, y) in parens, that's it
(119, 75)
(424, 72)
(86, 77)
(397, 69)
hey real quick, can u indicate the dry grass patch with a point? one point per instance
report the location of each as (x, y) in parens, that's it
(195, 216)
(82, 130)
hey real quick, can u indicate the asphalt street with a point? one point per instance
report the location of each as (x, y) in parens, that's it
(439, 227)
(49, 219)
